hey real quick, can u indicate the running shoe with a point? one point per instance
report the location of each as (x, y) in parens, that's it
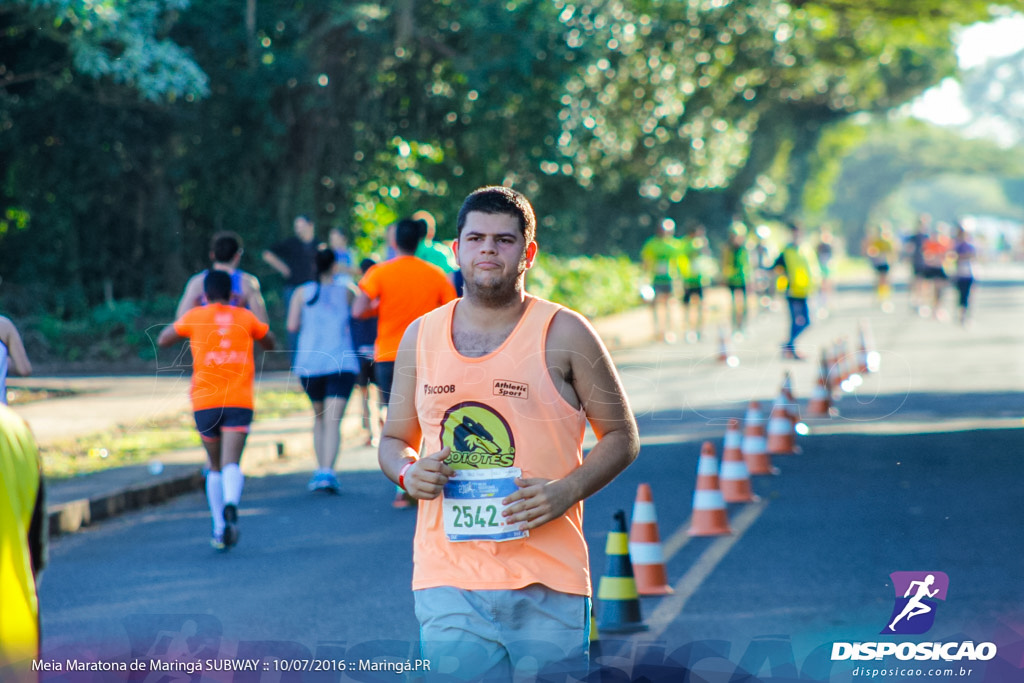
(324, 481)
(231, 532)
(316, 482)
(331, 483)
(791, 354)
(217, 542)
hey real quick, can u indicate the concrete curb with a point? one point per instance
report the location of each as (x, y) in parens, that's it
(67, 518)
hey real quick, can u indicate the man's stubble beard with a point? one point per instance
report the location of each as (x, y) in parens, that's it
(500, 294)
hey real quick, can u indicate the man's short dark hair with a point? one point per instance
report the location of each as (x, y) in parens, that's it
(217, 286)
(408, 234)
(497, 199)
(225, 245)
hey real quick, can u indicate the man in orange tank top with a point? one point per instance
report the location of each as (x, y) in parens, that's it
(498, 387)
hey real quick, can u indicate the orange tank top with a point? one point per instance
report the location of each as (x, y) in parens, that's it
(498, 410)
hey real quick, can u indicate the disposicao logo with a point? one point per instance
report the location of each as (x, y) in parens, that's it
(917, 596)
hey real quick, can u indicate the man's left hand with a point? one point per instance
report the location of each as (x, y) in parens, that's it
(537, 502)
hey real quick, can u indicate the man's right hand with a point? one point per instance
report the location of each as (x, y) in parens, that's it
(426, 478)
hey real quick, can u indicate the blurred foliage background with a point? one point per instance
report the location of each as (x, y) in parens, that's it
(131, 130)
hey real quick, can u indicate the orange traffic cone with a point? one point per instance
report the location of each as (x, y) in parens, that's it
(870, 361)
(820, 404)
(733, 477)
(862, 353)
(781, 435)
(786, 401)
(709, 516)
(645, 546)
(787, 386)
(851, 373)
(755, 445)
(620, 603)
(723, 350)
(794, 413)
(847, 371)
(835, 370)
(831, 371)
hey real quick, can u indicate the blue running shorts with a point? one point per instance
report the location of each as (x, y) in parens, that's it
(211, 421)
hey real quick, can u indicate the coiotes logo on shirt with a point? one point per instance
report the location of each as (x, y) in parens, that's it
(917, 594)
(478, 436)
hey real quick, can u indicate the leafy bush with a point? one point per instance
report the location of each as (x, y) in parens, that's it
(122, 330)
(594, 286)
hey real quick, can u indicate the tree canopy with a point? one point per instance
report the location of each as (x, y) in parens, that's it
(911, 152)
(994, 93)
(132, 129)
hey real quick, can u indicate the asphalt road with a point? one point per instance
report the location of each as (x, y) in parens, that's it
(921, 471)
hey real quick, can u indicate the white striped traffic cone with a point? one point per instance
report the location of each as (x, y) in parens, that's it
(755, 444)
(645, 546)
(820, 404)
(723, 350)
(709, 514)
(781, 435)
(733, 477)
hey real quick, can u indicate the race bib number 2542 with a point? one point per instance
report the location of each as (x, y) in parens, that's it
(472, 505)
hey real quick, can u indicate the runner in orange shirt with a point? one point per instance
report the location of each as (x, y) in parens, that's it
(221, 337)
(400, 290)
(935, 251)
(403, 289)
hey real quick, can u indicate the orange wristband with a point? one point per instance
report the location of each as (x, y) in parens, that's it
(401, 474)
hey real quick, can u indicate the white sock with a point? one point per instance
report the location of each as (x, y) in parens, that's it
(233, 481)
(215, 498)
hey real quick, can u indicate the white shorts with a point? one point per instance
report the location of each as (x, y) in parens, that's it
(503, 635)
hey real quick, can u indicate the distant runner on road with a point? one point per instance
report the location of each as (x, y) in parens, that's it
(325, 359)
(659, 256)
(799, 266)
(221, 337)
(226, 254)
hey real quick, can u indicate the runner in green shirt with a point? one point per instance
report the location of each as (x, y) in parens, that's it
(660, 259)
(693, 254)
(735, 270)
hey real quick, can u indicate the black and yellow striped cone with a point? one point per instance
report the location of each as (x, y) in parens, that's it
(620, 603)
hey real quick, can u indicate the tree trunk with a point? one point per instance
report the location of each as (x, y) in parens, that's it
(250, 33)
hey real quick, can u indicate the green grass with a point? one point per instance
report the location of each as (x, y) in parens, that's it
(141, 442)
(19, 395)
